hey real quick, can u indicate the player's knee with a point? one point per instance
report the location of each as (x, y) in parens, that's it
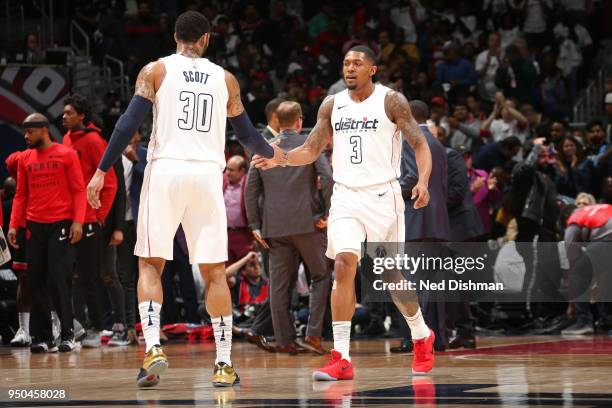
(345, 267)
(213, 272)
(151, 265)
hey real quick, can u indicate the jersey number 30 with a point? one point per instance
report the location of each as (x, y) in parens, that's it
(356, 143)
(197, 111)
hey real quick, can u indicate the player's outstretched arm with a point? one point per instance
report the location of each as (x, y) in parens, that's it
(398, 109)
(246, 133)
(319, 137)
(148, 81)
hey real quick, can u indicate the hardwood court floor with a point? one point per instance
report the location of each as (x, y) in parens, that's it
(504, 371)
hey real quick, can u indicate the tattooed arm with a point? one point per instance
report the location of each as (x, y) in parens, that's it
(398, 110)
(319, 137)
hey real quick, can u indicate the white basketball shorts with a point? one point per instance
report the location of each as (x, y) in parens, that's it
(182, 192)
(374, 213)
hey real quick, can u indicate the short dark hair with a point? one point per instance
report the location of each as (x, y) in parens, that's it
(80, 105)
(190, 26)
(595, 122)
(369, 53)
(272, 106)
(420, 110)
(510, 142)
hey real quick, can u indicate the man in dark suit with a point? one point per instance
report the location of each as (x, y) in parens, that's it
(272, 130)
(465, 227)
(290, 222)
(134, 161)
(430, 223)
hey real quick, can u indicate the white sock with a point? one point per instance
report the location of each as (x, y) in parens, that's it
(342, 338)
(149, 318)
(418, 328)
(24, 322)
(222, 328)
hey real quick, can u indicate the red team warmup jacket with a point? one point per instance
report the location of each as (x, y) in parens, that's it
(90, 146)
(50, 187)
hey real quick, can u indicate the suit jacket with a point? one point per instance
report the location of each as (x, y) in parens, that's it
(430, 222)
(290, 195)
(464, 219)
(267, 133)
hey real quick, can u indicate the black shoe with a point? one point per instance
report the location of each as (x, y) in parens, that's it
(463, 341)
(67, 345)
(44, 347)
(405, 346)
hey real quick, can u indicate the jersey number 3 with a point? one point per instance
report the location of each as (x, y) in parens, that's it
(356, 143)
(197, 111)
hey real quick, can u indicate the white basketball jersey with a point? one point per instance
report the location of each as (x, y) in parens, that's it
(190, 111)
(367, 145)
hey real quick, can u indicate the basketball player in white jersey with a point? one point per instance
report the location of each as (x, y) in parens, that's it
(365, 124)
(191, 98)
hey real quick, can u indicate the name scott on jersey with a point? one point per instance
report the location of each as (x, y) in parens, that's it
(352, 124)
(191, 76)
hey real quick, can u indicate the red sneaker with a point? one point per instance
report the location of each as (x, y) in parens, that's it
(423, 354)
(337, 368)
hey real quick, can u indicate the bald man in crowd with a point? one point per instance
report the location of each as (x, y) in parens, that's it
(292, 221)
(239, 239)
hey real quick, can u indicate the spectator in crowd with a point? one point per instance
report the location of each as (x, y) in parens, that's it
(584, 199)
(498, 154)
(465, 129)
(505, 120)
(575, 173)
(429, 223)
(554, 94)
(320, 22)
(249, 288)
(456, 71)
(50, 200)
(86, 140)
(31, 53)
(483, 186)
(142, 34)
(517, 77)
(294, 234)
(535, 14)
(558, 133)
(487, 63)
(134, 160)
(234, 184)
(534, 206)
(598, 145)
(406, 16)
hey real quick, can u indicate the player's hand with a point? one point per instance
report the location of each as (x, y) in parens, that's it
(279, 158)
(260, 240)
(76, 232)
(116, 238)
(11, 237)
(420, 195)
(94, 187)
(321, 223)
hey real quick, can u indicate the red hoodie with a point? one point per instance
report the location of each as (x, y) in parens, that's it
(11, 164)
(49, 187)
(90, 146)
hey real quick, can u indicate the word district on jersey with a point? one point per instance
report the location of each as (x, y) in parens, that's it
(353, 124)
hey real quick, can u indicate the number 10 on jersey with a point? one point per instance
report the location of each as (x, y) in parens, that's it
(197, 111)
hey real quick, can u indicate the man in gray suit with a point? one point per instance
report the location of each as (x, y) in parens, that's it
(290, 221)
(427, 224)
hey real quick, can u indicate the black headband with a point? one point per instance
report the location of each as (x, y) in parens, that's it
(36, 124)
